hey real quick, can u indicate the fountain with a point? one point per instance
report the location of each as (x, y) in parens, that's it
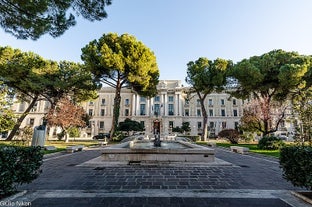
(140, 150)
(157, 142)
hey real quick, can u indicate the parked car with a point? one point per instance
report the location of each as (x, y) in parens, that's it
(101, 136)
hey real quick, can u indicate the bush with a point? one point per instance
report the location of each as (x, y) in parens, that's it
(118, 136)
(18, 165)
(74, 132)
(246, 137)
(297, 166)
(231, 134)
(270, 143)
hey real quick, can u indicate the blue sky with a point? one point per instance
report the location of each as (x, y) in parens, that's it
(179, 31)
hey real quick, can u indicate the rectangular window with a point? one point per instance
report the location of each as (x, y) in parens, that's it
(90, 123)
(282, 124)
(127, 102)
(157, 98)
(142, 109)
(34, 109)
(210, 103)
(222, 112)
(101, 125)
(187, 102)
(102, 112)
(234, 102)
(236, 125)
(126, 112)
(142, 123)
(199, 125)
(210, 112)
(103, 101)
(211, 125)
(223, 125)
(91, 103)
(46, 105)
(170, 98)
(198, 102)
(90, 112)
(187, 112)
(222, 102)
(235, 112)
(156, 109)
(198, 112)
(171, 124)
(31, 122)
(170, 110)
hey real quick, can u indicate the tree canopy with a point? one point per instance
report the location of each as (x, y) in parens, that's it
(206, 76)
(273, 76)
(31, 19)
(119, 62)
(66, 114)
(130, 125)
(33, 78)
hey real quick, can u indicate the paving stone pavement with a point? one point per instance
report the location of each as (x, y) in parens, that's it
(250, 180)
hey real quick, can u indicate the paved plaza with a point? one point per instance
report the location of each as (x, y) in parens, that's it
(235, 180)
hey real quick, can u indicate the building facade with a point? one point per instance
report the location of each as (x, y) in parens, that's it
(159, 114)
(168, 109)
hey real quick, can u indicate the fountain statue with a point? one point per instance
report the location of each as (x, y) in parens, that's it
(157, 142)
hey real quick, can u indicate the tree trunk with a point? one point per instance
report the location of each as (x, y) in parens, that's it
(205, 117)
(66, 136)
(21, 119)
(117, 101)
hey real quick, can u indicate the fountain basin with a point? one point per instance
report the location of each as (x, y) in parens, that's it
(144, 151)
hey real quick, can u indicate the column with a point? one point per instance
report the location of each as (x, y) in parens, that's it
(162, 105)
(152, 106)
(180, 105)
(176, 106)
(166, 104)
(133, 105)
(147, 112)
(137, 105)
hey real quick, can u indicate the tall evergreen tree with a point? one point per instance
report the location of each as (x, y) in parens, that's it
(122, 62)
(31, 19)
(206, 76)
(273, 76)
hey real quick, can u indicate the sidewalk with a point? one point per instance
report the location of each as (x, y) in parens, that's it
(247, 181)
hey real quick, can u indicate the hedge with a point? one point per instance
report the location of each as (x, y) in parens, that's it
(270, 143)
(297, 165)
(18, 165)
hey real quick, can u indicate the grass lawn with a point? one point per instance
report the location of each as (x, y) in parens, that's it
(60, 145)
(253, 148)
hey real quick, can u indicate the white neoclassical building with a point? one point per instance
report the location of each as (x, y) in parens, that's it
(168, 109)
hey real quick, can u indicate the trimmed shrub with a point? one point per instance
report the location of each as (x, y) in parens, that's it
(270, 143)
(18, 165)
(297, 166)
(231, 134)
